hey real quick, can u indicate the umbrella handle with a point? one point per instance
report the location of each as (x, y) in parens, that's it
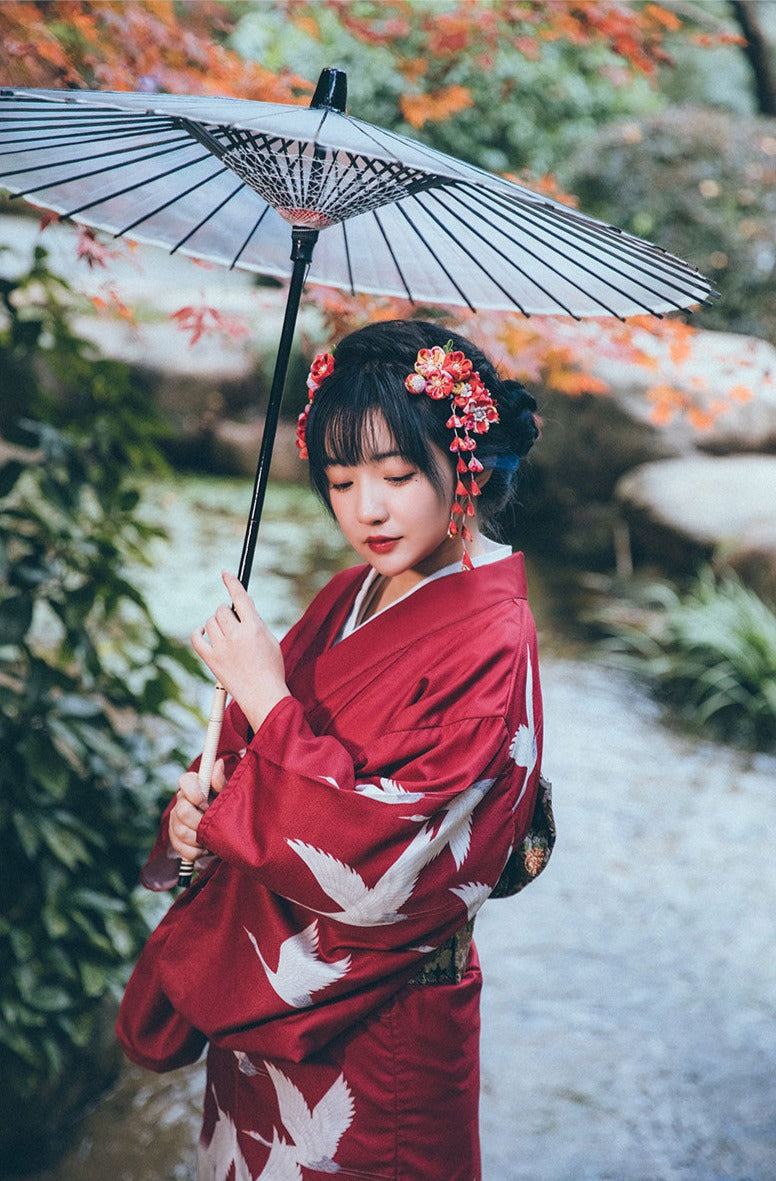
(207, 763)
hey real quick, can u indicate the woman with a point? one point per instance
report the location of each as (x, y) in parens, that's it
(378, 778)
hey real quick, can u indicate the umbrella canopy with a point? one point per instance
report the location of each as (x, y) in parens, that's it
(222, 179)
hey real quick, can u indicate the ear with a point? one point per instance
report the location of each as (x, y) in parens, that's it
(482, 478)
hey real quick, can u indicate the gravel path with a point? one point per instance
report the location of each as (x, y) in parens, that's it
(630, 1005)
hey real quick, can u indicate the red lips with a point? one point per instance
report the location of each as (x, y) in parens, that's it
(382, 545)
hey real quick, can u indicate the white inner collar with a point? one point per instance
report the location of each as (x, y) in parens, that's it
(492, 552)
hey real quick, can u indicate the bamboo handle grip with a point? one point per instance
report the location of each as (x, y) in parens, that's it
(206, 764)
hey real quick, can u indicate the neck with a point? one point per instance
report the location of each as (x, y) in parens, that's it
(388, 590)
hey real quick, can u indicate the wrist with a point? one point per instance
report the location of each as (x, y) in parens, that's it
(258, 710)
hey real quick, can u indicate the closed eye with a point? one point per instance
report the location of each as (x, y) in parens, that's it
(342, 487)
(400, 479)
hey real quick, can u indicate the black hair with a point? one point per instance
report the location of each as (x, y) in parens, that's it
(370, 368)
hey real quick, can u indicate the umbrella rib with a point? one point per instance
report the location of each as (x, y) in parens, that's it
(94, 122)
(433, 253)
(107, 168)
(62, 141)
(611, 232)
(368, 131)
(328, 170)
(137, 185)
(513, 299)
(82, 159)
(256, 225)
(624, 244)
(393, 255)
(543, 261)
(182, 241)
(347, 257)
(611, 253)
(610, 236)
(177, 197)
(422, 148)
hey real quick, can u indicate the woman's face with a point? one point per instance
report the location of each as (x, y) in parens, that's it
(390, 512)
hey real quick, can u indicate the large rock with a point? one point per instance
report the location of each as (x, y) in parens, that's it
(236, 445)
(706, 507)
(590, 441)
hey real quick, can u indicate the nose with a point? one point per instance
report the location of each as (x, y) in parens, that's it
(371, 506)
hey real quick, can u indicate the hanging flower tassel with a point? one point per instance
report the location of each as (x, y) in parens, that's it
(440, 373)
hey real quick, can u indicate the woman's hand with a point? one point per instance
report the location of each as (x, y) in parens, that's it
(243, 655)
(188, 810)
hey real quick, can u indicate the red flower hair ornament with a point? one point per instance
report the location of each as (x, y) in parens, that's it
(321, 368)
(439, 373)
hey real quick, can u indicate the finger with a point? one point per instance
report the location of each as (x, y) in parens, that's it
(183, 834)
(242, 600)
(187, 815)
(189, 788)
(226, 618)
(187, 851)
(213, 629)
(218, 778)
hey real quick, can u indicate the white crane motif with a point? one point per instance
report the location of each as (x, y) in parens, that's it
(315, 1135)
(301, 971)
(523, 749)
(223, 1151)
(472, 894)
(388, 791)
(372, 906)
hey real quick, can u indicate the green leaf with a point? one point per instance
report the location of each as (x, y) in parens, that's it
(44, 764)
(15, 618)
(9, 474)
(64, 844)
(94, 979)
(27, 833)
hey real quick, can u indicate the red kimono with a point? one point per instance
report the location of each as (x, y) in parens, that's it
(361, 828)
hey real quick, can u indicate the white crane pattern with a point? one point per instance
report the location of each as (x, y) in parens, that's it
(523, 749)
(370, 906)
(314, 1134)
(301, 971)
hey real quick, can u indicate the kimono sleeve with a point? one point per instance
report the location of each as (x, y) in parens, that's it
(368, 850)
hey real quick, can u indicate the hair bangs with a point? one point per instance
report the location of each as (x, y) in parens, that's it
(344, 422)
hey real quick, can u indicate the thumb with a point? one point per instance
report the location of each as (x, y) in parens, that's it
(218, 778)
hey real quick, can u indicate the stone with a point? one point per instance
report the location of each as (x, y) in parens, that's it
(235, 449)
(589, 441)
(753, 558)
(702, 507)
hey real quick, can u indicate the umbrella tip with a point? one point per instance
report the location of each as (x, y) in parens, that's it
(331, 91)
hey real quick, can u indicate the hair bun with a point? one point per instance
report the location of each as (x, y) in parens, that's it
(518, 412)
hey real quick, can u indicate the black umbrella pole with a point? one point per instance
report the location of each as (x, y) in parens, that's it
(301, 254)
(303, 242)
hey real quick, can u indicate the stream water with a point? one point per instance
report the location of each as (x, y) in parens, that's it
(629, 1016)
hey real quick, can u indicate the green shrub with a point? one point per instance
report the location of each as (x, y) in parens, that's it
(710, 654)
(85, 681)
(702, 184)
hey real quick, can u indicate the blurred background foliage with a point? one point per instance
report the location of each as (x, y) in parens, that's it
(86, 681)
(702, 182)
(708, 652)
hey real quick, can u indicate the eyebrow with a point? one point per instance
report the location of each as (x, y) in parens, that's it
(377, 457)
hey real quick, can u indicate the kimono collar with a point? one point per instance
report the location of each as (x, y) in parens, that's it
(436, 605)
